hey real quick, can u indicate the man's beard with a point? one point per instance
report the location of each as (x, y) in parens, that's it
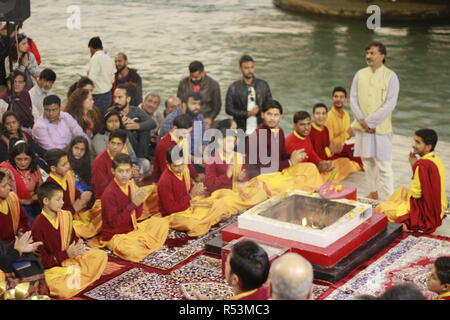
(191, 113)
(196, 82)
(119, 70)
(119, 107)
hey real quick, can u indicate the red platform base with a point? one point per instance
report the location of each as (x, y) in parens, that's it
(326, 257)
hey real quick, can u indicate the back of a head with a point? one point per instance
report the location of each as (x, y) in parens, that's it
(95, 43)
(250, 263)
(291, 277)
(183, 121)
(402, 292)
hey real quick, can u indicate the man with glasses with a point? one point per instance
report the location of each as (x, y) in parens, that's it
(55, 129)
(246, 97)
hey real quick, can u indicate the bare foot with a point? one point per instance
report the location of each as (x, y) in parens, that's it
(404, 227)
(373, 195)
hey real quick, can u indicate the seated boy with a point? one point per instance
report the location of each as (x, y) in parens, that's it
(13, 219)
(176, 192)
(121, 207)
(420, 208)
(87, 222)
(70, 267)
(439, 280)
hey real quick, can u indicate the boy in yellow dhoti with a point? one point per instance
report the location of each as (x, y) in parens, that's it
(420, 208)
(70, 266)
(121, 208)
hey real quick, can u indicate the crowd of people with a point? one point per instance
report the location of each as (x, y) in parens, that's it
(110, 167)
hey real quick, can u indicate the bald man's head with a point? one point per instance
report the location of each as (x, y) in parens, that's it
(291, 277)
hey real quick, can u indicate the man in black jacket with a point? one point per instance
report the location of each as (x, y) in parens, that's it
(129, 76)
(209, 89)
(246, 97)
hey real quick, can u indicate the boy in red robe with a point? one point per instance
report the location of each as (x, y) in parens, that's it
(102, 165)
(319, 134)
(299, 141)
(175, 187)
(13, 219)
(265, 147)
(121, 208)
(225, 169)
(70, 266)
(246, 271)
(60, 173)
(420, 208)
(439, 280)
(178, 135)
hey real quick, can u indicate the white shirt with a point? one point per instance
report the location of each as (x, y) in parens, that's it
(252, 122)
(37, 98)
(101, 71)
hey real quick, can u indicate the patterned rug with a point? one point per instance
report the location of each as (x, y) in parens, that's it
(140, 284)
(172, 254)
(409, 261)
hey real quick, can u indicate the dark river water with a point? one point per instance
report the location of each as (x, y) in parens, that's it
(302, 58)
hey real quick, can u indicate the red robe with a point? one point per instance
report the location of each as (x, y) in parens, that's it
(294, 143)
(160, 162)
(262, 293)
(101, 173)
(68, 205)
(7, 233)
(425, 212)
(116, 211)
(50, 251)
(320, 140)
(172, 193)
(255, 164)
(216, 175)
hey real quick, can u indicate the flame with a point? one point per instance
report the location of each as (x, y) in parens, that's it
(304, 222)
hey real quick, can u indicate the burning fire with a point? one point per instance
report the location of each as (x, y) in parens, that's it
(305, 223)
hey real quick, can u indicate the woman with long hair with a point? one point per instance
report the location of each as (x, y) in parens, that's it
(81, 107)
(80, 159)
(23, 60)
(23, 164)
(10, 132)
(83, 83)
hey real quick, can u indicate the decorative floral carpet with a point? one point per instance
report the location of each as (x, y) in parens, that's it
(180, 247)
(409, 261)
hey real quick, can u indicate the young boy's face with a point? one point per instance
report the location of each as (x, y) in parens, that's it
(5, 188)
(177, 166)
(320, 116)
(55, 202)
(434, 284)
(62, 167)
(115, 146)
(123, 173)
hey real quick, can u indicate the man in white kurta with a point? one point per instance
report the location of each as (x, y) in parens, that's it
(373, 97)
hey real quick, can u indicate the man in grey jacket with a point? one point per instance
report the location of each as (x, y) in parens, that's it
(135, 120)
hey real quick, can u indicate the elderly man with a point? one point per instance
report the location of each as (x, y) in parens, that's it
(55, 129)
(291, 278)
(199, 81)
(373, 97)
(126, 75)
